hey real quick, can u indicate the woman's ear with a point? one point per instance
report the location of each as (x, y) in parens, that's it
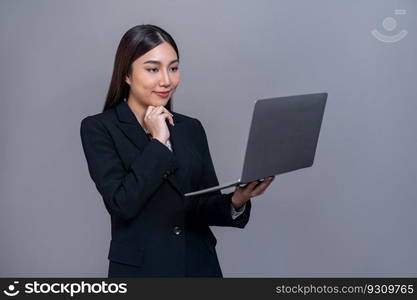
(127, 79)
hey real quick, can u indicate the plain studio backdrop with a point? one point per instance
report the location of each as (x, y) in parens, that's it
(352, 214)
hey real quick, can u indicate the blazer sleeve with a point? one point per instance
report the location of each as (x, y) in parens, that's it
(214, 208)
(124, 191)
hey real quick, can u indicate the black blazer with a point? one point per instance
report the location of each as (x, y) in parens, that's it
(156, 231)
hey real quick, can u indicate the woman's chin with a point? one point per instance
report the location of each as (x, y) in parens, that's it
(161, 102)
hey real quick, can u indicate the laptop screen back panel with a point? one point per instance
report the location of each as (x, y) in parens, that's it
(283, 135)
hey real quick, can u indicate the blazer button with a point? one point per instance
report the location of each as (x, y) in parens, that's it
(177, 230)
(167, 173)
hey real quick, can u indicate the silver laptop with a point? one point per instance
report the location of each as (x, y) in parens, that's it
(283, 137)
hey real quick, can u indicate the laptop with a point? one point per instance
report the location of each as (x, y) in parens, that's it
(282, 138)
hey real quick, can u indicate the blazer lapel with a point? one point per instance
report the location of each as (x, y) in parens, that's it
(182, 154)
(130, 125)
(137, 135)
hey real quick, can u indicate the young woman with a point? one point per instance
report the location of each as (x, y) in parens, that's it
(143, 157)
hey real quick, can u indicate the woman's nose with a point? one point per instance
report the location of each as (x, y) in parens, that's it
(165, 79)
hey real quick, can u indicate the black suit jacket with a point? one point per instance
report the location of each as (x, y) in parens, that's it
(156, 231)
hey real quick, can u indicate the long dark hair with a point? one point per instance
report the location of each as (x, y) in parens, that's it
(135, 42)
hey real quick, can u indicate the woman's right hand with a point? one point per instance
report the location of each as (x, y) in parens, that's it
(154, 120)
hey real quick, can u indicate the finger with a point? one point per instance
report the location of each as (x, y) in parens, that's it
(162, 109)
(171, 116)
(260, 189)
(249, 187)
(266, 182)
(167, 116)
(170, 119)
(149, 109)
(148, 112)
(261, 185)
(156, 111)
(268, 179)
(253, 184)
(166, 110)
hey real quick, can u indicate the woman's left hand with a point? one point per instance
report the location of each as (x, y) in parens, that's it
(243, 194)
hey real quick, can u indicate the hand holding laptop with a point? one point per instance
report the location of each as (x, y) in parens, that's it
(255, 188)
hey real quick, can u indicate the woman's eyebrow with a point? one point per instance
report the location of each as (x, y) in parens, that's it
(157, 62)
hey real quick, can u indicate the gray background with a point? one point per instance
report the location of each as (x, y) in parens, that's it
(351, 214)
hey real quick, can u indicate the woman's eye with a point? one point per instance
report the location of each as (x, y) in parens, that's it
(153, 70)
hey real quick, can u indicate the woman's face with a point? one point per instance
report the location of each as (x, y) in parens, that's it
(155, 71)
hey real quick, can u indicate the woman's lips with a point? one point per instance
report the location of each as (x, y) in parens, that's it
(162, 95)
